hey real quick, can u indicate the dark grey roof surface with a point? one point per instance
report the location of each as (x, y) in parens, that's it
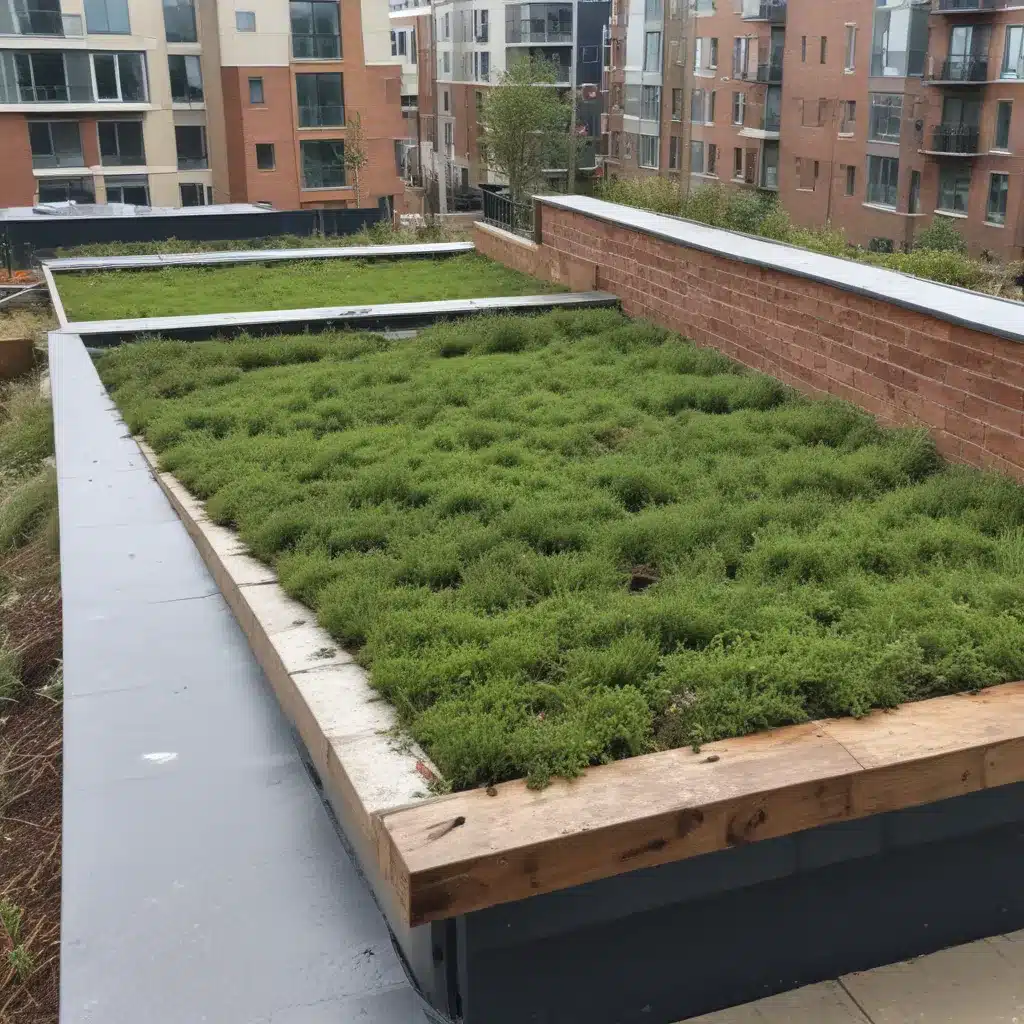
(203, 878)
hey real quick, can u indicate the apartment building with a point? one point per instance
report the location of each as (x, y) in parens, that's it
(876, 115)
(190, 102)
(464, 46)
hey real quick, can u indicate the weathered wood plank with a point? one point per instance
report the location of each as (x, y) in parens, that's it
(476, 849)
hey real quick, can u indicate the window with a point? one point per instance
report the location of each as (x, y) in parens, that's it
(739, 107)
(245, 21)
(698, 53)
(482, 29)
(186, 78)
(121, 143)
(399, 43)
(445, 102)
(674, 152)
(265, 160)
(885, 116)
(677, 104)
(316, 30)
(712, 160)
(120, 76)
(824, 49)
(321, 99)
(652, 51)
(132, 189)
(954, 187)
(446, 61)
(41, 78)
(653, 10)
(803, 49)
(995, 208)
(323, 163)
(1004, 109)
(180, 21)
(193, 193)
(55, 144)
(883, 180)
(696, 157)
(850, 48)
(914, 202)
(740, 56)
(64, 190)
(449, 135)
(649, 150)
(650, 102)
(482, 70)
(849, 117)
(737, 163)
(851, 180)
(713, 53)
(899, 40)
(616, 146)
(33, 18)
(750, 166)
(191, 142)
(697, 106)
(1013, 52)
(256, 92)
(107, 17)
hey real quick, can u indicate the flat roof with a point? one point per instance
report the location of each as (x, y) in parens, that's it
(78, 211)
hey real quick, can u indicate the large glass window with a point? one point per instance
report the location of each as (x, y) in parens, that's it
(883, 180)
(195, 193)
(899, 40)
(323, 163)
(180, 21)
(1013, 52)
(190, 140)
(998, 189)
(696, 157)
(186, 78)
(121, 143)
(63, 190)
(320, 99)
(649, 150)
(31, 18)
(886, 116)
(1004, 110)
(650, 102)
(132, 189)
(652, 51)
(120, 76)
(109, 17)
(954, 187)
(55, 144)
(316, 29)
(41, 77)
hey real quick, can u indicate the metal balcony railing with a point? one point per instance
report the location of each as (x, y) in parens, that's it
(963, 69)
(764, 10)
(55, 94)
(192, 163)
(955, 138)
(897, 63)
(770, 71)
(502, 212)
(772, 121)
(37, 21)
(523, 32)
(971, 6)
(316, 47)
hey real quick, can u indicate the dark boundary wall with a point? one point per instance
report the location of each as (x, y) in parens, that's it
(909, 351)
(23, 241)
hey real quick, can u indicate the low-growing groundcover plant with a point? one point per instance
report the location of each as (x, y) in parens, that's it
(563, 540)
(178, 291)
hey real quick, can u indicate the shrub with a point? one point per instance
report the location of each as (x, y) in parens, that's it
(941, 236)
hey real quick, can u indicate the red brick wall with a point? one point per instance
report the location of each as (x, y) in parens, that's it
(906, 367)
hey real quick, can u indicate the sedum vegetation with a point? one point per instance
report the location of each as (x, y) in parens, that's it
(564, 540)
(939, 253)
(177, 291)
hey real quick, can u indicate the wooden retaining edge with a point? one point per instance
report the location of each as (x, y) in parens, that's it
(436, 858)
(348, 730)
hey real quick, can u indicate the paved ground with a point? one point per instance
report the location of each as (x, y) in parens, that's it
(980, 983)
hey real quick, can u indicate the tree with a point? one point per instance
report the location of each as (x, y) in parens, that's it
(355, 151)
(525, 125)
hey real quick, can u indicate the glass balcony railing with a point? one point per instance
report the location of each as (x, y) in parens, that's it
(323, 116)
(897, 63)
(764, 10)
(772, 121)
(963, 69)
(959, 139)
(770, 71)
(971, 6)
(32, 21)
(537, 32)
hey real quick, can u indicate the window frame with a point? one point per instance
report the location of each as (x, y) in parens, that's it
(175, 7)
(850, 49)
(262, 101)
(185, 58)
(1016, 73)
(245, 19)
(204, 158)
(117, 56)
(891, 181)
(654, 145)
(319, 143)
(315, 37)
(1004, 192)
(122, 182)
(117, 158)
(892, 100)
(647, 52)
(201, 192)
(320, 106)
(126, 31)
(1000, 106)
(958, 172)
(265, 146)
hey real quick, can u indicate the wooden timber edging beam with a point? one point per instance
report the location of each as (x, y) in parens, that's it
(467, 851)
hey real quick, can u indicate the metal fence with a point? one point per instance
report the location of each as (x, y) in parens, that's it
(22, 242)
(502, 212)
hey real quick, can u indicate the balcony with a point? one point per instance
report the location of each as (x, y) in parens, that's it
(35, 20)
(770, 72)
(773, 11)
(897, 63)
(954, 140)
(962, 71)
(561, 67)
(326, 115)
(522, 33)
(967, 6)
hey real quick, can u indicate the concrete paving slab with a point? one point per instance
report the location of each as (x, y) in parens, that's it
(972, 984)
(826, 1003)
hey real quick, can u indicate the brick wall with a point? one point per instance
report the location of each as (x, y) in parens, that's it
(906, 367)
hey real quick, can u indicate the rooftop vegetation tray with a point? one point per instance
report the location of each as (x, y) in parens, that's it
(179, 291)
(565, 540)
